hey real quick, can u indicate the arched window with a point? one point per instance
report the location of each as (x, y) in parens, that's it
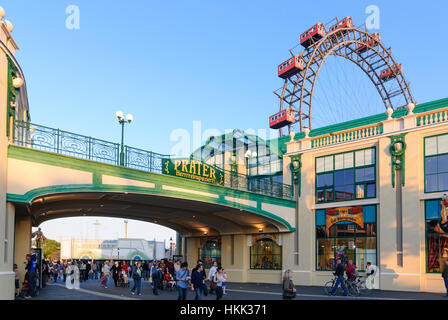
(265, 253)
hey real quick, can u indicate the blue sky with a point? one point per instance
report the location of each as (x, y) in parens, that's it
(171, 63)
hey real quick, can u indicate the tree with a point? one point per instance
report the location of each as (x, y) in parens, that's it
(52, 249)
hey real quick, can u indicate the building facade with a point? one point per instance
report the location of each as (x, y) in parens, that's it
(370, 190)
(120, 249)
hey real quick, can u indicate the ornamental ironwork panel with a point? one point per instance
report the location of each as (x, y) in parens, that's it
(70, 144)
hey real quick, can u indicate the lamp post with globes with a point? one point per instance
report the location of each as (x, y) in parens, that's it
(249, 155)
(123, 121)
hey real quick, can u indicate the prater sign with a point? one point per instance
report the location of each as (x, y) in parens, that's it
(192, 169)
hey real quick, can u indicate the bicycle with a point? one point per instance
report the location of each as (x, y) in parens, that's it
(359, 287)
(330, 284)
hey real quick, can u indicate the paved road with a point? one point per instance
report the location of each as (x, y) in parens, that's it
(92, 290)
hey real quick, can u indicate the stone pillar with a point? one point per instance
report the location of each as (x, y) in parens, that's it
(22, 242)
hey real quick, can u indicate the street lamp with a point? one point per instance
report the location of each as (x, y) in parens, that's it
(249, 154)
(118, 254)
(171, 247)
(123, 121)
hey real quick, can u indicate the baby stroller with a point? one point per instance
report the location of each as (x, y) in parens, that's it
(25, 288)
(123, 280)
(169, 282)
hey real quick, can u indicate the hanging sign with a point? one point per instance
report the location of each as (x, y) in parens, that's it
(193, 170)
(352, 214)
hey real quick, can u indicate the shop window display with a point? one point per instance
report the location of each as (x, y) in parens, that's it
(346, 233)
(266, 253)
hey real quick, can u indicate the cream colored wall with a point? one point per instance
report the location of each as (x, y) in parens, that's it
(6, 274)
(41, 175)
(412, 276)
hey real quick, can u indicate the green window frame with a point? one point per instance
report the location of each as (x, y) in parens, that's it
(357, 170)
(435, 153)
(368, 236)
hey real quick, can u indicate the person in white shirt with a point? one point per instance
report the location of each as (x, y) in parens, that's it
(211, 275)
(370, 272)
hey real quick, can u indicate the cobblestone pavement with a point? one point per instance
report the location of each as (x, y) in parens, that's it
(92, 290)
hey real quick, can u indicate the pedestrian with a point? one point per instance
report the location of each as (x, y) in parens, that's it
(217, 278)
(94, 270)
(177, 266)
(55, 272)
(145, 267)
(137, 277)
(76, 277)
(445, 276)
(106, 273)
(211, 275)
(156, 275)
(198, 281)
(45, 273)
(64, 270)
(16, 279)
(70, 276)
(370, 273)
(289, 290)
(182, 278)
(339, 272)
(224, 281)
(31, 275)
(115, 270)
(88, 274)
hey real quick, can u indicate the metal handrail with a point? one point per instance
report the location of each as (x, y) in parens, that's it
(58, 141)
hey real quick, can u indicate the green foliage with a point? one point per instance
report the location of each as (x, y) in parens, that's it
(52, 249)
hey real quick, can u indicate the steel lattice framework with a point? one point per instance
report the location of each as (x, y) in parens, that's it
(297, 91)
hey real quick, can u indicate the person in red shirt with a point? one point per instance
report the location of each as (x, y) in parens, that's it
(125, 267)
(350, 269)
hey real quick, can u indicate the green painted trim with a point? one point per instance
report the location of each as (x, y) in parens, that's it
(11, 95)
(374, 119)
(98, 168)
(398, 156)
(30, 195)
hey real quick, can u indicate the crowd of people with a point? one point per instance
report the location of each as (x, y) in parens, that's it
(164, 274)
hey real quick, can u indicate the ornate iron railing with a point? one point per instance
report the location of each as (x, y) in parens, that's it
(75, 145)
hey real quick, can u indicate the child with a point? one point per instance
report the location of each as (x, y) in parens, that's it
(224, 281)
(17, 279)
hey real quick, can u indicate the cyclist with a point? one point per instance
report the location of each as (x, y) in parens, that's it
(339, 272)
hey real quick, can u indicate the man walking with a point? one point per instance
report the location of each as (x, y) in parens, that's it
(182, 278)
(156, 275)
(340, 274)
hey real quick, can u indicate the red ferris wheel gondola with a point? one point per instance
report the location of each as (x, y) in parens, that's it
(282, 118)
(315, 33)
(370, 42)
(290, 67)
(390, 73)
(347, 22)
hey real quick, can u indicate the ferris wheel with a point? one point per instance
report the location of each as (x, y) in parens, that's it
(343, 39)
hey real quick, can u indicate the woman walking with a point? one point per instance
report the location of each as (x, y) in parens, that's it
(218, 278)
(137, 277)
(289, 291)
